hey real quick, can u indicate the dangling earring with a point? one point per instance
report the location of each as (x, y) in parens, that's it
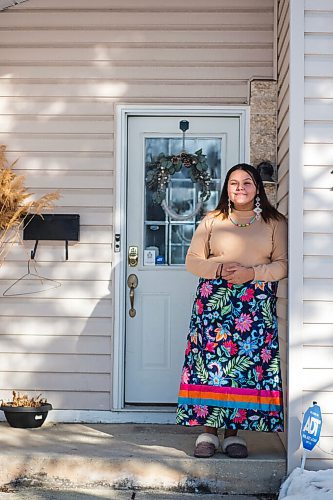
(229, 206)
(257, 210)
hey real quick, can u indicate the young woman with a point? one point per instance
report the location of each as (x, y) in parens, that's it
(231, 375)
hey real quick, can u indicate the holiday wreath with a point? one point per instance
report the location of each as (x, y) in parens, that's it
(160, 171)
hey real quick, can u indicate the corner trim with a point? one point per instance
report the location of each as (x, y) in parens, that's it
(295, 211)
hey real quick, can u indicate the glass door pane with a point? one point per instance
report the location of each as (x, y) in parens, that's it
(166, 236)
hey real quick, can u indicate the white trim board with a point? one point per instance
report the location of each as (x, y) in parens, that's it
(295, 216)
(113, 417)
(118, 274)
(109, 417)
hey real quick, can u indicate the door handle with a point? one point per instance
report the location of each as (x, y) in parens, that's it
(132, 283)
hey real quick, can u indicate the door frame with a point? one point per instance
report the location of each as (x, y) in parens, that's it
(122, 114)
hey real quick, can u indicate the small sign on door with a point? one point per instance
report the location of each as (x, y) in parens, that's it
(149, 257)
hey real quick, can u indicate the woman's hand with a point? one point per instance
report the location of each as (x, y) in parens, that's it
(236, 274)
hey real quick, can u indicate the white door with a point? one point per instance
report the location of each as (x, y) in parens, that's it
(156, 335)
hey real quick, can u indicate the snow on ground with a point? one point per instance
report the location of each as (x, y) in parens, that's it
(308, 485)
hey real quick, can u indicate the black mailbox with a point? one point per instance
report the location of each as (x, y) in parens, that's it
(54, 227)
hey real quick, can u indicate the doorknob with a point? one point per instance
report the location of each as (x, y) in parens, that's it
(132, 283)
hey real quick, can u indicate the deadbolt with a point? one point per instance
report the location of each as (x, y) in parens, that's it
(133, 256)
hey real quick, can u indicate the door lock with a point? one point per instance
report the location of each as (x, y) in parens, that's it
(133, 256)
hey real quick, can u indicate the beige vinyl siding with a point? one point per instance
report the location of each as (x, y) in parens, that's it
(65, 65)
(283, 169)
(318, 222)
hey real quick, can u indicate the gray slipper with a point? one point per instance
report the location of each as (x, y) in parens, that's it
(206, 445)
(235, 447)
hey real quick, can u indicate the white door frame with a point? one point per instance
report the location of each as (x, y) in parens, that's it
(119, 219)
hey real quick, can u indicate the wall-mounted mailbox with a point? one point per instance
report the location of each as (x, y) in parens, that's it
(54, 227)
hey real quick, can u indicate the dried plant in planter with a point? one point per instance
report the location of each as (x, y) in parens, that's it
(16, 204)
(25, 412)
(24, 400)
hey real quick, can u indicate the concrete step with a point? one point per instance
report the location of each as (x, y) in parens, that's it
(108, 493)
(136, 456)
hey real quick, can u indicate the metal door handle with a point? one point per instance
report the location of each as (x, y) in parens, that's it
(132, 283)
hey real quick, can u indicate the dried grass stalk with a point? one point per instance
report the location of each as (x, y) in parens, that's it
(24, 400)
(16, 204)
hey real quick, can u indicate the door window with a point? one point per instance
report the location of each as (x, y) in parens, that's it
(165, 236)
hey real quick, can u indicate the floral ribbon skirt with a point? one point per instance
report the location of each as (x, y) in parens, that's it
(231, 375)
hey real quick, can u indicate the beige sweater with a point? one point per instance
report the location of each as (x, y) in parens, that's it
(261, 245)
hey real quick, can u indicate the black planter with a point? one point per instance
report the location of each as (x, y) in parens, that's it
(26, 417)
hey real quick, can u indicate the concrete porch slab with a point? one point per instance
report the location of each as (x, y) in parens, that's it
(136, 456)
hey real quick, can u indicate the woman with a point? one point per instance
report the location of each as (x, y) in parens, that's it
(231, 376)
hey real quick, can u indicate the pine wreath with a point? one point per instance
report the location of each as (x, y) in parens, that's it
(161, 170)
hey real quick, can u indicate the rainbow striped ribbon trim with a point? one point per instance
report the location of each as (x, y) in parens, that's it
(230, 397)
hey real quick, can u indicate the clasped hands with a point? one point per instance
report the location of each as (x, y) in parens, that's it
(235, 273)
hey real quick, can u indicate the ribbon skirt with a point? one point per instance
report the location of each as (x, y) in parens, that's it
(231, 375)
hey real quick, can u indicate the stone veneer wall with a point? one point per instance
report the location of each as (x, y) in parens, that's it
(263, 126)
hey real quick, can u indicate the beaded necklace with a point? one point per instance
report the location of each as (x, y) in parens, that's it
(243, 225)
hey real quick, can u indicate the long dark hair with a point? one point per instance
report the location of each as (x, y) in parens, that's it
(268, 211)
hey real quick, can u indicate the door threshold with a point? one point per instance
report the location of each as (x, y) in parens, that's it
(149, 408)
(143, 415)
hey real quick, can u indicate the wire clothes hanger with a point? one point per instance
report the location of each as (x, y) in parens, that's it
(51, 283)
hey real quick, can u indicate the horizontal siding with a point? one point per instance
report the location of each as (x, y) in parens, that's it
(146, 6)
(71, 400)
(91, 46)
(318, 357)
(317, 380)
(64, 271)
(71, 344)
(64, 67)
(318, 154)
(318, 244)
(234, 90)
(161, 19)
(318, 217)
(70, 289)
(83, 308)
(134, 55)
(78, 253)
(318, 133)
(55, 326)
(318, 110)
(318, 199)
(323, 398)
(54, 382)
(134, 38)
(62, 162)
(68, 180)
(57, 363)
(318, 267)
(317, 177)
(226, 70)
(318, 221)
(316, 87)
(318, 5)
(318, 312)
(57, 125)
(53, 109)
(317, 334)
